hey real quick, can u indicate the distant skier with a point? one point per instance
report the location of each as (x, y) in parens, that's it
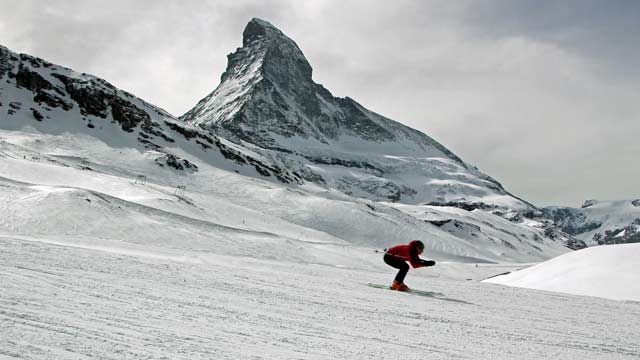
(397, 257)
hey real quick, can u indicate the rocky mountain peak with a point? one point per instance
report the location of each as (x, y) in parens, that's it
(267, 99)
(258, 29)
(281, 60)
(268, 63)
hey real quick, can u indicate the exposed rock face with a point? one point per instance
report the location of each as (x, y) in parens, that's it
(267, 98)
(97, 97)
(570, 220)
(623, 235)
(599, 222)
(5, 55)
(31, 80)
(176, 163)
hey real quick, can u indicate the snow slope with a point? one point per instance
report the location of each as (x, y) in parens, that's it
(61, 301)
(605, 271)
(95, 265)
(87, 177)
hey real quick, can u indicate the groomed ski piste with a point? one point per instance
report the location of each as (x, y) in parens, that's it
(95, 264)
(62, 301)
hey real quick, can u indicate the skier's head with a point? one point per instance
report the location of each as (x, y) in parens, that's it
(418, 245)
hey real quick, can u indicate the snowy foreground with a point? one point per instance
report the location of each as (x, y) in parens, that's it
(74, 300)
(94, 264)
(606, 271)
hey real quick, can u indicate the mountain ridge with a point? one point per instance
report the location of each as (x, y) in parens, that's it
(268, 54)
(55, 99)
(268, 100)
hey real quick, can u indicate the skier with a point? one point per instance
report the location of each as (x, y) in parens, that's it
(397, 256)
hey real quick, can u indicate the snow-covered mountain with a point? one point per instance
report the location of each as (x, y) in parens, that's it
(599, 222)
(51, 99)
(267, 100)
(74, 136)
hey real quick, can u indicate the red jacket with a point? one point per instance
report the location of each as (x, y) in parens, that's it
(408, 253)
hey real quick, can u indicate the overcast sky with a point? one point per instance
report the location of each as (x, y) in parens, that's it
(542, 95)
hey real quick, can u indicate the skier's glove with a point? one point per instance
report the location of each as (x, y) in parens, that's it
(428, 262)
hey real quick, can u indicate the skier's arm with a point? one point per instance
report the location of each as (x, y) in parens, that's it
(416, 262)
(414, 259)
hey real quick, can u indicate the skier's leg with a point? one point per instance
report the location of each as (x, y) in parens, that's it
(402, 273)
(399, 264)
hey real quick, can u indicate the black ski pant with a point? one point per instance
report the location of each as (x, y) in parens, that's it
(398, 263)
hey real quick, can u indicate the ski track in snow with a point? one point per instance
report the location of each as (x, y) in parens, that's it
(65, 302)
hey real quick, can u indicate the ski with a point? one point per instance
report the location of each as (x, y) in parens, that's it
(410, 291)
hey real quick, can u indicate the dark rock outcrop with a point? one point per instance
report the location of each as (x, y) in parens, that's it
(570, 220)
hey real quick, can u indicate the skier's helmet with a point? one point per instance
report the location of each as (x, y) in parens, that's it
(417, 244)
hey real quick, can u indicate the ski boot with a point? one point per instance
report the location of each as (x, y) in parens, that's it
(399, 286)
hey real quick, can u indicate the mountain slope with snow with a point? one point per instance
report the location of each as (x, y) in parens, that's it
(72, 169)
(605, 271)
(599, 222)
(36, 95)
(74, 136)
(267, 100)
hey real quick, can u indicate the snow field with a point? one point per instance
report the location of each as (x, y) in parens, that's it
(606, 271)
(63, 302)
